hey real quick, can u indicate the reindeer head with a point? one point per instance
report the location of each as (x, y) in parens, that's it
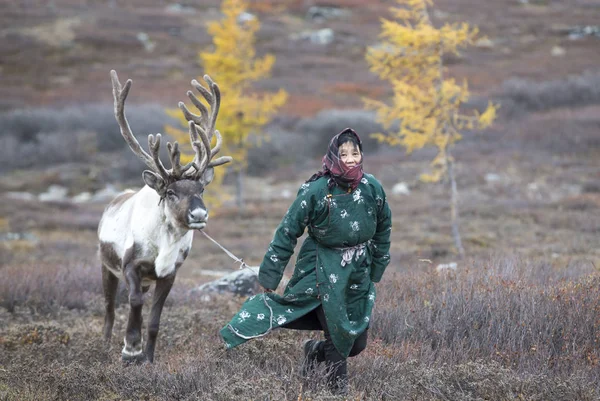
(181, 187)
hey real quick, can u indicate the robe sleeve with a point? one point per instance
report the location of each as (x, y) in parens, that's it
(381, 239)
(286, 236)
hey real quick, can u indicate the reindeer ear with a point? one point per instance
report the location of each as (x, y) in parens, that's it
(208, 176)
(154, 181)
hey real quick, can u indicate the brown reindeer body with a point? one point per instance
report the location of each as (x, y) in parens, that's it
(145, 236)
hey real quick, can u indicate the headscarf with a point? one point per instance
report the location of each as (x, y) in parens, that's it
(336, 169)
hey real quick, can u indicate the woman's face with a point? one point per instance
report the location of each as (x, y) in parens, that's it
(349, 154)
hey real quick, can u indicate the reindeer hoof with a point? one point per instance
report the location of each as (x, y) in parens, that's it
(133, 353)
(133, 359)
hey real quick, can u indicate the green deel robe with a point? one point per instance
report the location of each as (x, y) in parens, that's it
(346, 251)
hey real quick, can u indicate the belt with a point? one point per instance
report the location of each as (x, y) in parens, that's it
(352, 252)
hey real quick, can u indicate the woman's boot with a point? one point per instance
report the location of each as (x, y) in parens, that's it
(313, 354)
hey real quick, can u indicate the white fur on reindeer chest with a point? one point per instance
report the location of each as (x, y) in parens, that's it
(157, 237)
(141, 221)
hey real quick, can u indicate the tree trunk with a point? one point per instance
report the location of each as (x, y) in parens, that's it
(454, 209)
(240, 190)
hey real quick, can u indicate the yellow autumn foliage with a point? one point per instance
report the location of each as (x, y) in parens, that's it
(426, 103)
(233, 65)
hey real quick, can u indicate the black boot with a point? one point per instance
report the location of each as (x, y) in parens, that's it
(312, 350)
(337, 378)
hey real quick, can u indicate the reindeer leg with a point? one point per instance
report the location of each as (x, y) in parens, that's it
(132, 351)
(163, 287)
(110, 282)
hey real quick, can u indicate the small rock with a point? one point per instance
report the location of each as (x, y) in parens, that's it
(145, 40)
(484, 43)
(320, 37)
(243, 282)
(82, 197)
(558, 51)
(245, 17)
(401, 188)
(492, 177)
(445, 267)
(106, 194)
(579, 32)
(54, 193)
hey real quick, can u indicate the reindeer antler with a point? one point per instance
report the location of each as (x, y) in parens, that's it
(202, 127)
(153, 162)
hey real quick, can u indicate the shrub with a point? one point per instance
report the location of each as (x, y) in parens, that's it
(498, 329)
(533, 322)
(46, 148)
(522, 95)
(319, 130)
(284, 148)
(45, 288)
(40, 136)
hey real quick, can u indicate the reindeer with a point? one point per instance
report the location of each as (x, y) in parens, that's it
(146, 235)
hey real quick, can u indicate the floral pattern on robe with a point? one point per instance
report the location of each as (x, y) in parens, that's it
(346, 251)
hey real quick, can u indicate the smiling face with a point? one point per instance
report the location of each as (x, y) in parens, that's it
(350, 154)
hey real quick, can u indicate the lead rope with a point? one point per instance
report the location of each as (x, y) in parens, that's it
(243, 264)
(254, 269)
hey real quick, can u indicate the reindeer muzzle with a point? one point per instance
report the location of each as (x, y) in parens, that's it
(197, 218)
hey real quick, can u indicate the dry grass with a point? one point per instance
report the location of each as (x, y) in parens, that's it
(504, 329)
(526, 316)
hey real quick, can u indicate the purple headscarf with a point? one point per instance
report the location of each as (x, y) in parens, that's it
(334, 167)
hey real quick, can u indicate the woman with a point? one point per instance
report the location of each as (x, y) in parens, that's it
(346, 251)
